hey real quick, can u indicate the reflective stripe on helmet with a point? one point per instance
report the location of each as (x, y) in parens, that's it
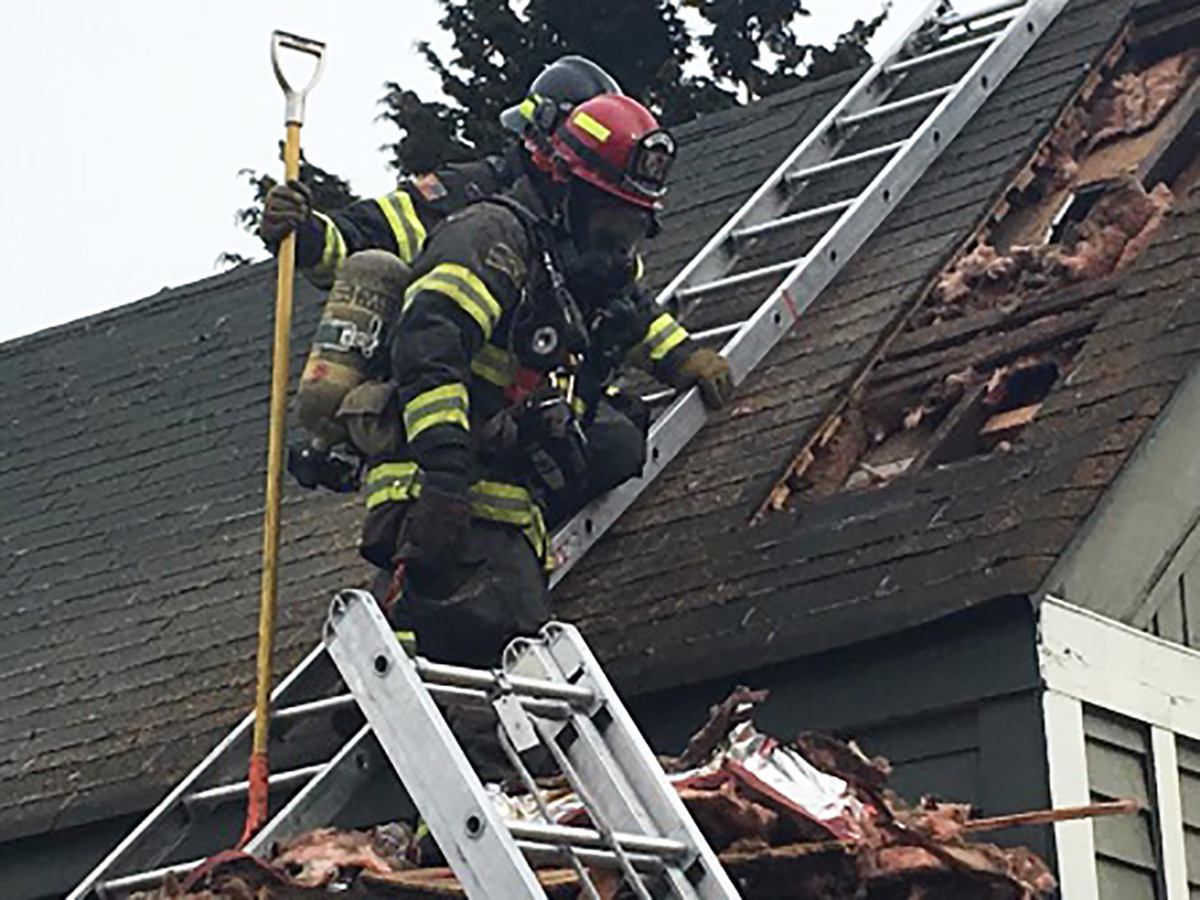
(591, 126)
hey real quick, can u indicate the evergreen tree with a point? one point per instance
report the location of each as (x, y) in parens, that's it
(499, 46)
(746, 50)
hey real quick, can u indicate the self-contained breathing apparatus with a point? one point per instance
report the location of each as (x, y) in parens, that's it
(348, 357)
(542, 432)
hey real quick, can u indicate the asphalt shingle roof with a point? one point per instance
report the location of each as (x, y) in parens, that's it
(133, 444)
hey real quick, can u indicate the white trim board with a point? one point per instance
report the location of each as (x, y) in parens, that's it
(1103, 663)
(1066, 756)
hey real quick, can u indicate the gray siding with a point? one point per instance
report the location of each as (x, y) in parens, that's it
(1118, 760)
(1189, 788)
(955, 707)
(1178, 614)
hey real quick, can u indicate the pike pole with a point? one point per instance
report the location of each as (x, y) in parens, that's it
(260, 770)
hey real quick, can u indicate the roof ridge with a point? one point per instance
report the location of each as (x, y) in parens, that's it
(162, 297)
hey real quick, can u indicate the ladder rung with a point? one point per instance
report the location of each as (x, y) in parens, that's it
(460, 676)
(805, 215)
(883, 110)
(589, 838)
(313, 706)
(739, 278)
(549, 854)
(995, 9)
(551, 709)
(835, 164)
(659, 396)
(150, 878)
(944, 52)
(239, 788)
(719, 331)
(547, 709)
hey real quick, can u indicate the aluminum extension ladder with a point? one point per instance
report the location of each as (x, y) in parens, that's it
(549, 695)
(1000, 35)
(308, 724)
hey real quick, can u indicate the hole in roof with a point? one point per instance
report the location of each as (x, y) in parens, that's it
(833, 257)
(985, 82)
(1001, 331)
(777, 317)
(887, 196)
(1029, 27)
(589, 526)
(654, 454)
(937, 137)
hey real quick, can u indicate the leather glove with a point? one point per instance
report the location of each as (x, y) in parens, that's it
(285, 208)
(709, 370)
(439, 522)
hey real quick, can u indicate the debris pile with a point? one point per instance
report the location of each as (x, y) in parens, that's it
(807, 819)
(1115, 230)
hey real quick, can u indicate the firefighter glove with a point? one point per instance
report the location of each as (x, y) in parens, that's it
(439, 523)
(708, 370)
(285, 208)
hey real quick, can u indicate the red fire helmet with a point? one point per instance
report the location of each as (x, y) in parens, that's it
(615, 144)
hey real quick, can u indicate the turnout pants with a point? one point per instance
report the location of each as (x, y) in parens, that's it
(466, 613)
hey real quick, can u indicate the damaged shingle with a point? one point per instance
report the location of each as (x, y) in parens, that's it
(1091, 217)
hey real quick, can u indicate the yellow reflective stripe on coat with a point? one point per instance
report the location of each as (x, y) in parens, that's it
(511, 505)
(332, 255)
(495, 366)
(496, 501)
(465, 288)
(406, 225)
(392, 482)
(663, 336)
(447, 404)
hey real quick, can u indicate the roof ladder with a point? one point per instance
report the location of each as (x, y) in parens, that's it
(330, 758)
(998, 36)
(549, 696)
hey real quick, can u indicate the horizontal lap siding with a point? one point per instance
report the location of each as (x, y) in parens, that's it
(1118, 760)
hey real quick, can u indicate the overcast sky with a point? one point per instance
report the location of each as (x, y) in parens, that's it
(127, 121)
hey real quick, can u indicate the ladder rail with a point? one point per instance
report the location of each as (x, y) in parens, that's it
(621, 771)
(408, 725)
(135, 841)
(684, 418)
(322, 798)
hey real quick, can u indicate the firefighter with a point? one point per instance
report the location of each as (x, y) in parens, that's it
(491, 332)
(354, 326)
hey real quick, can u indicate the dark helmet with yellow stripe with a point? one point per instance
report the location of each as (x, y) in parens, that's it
(561, 86)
